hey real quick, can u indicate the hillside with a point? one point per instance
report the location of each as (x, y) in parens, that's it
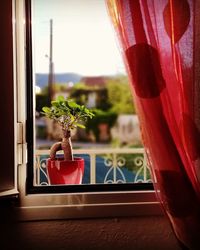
(42, 78)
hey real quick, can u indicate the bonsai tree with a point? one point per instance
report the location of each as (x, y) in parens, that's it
(68, 115)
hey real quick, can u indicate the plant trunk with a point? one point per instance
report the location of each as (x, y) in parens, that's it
(65, 145)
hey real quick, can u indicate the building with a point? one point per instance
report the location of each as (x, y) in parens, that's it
(127, 130)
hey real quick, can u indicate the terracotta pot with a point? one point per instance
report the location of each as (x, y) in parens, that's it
(65, 172)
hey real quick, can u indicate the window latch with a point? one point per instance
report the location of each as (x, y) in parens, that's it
(21, 145)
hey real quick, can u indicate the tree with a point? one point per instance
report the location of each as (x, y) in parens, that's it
(68, 115)
(101, 117)
(119, 94)
(81, 91)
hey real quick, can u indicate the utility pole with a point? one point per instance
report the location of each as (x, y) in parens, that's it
(51, 66)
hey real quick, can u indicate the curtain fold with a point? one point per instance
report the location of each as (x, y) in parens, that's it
(160, 43)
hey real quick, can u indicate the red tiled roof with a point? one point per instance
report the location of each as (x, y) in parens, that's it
(99, 81)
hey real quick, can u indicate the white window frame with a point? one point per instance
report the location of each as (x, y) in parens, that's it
(65, 205)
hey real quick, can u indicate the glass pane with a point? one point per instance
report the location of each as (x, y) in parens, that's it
(76, 56)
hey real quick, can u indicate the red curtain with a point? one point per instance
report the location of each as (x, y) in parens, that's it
(160, 42)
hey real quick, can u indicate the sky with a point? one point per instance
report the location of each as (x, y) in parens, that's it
(84, 41)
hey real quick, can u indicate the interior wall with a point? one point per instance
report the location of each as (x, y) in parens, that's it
(138, 233)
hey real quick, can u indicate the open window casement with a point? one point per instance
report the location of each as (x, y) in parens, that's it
(11, 126)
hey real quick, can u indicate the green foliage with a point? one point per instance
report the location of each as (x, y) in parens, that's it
(119, 94)
(80, 93)
(81, 85)
(67, 113)
(41, 101)
(103, 101)
(106, 117)
(59, 87)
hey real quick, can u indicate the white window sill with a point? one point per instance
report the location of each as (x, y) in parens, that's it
(90, 205)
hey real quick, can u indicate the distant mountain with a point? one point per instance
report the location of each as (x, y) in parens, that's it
(42, 78)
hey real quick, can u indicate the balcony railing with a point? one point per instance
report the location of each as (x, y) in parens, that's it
(106, 165)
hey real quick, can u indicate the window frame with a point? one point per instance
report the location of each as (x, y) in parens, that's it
(8, 131)
(58, 202)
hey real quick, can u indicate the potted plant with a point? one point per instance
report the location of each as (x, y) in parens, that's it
(68, 115)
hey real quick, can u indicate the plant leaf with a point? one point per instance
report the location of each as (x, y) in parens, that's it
(55, 103)
(73, 105)
(60, 98)
(46, 109)
(80, 125)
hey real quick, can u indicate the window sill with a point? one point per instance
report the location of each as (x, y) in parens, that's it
(90, 205)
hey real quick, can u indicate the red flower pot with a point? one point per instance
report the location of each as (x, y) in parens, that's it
(65, 172)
